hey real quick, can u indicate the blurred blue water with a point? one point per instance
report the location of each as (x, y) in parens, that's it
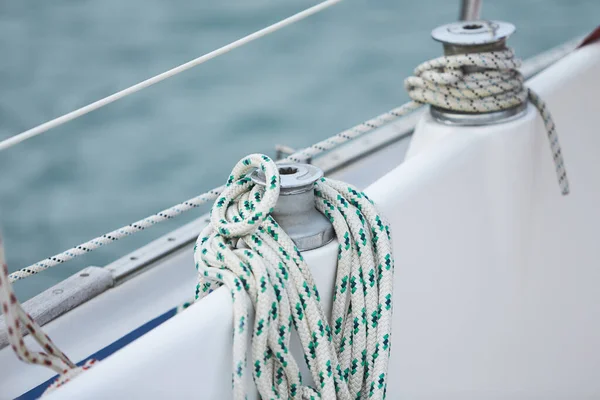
(181, 137)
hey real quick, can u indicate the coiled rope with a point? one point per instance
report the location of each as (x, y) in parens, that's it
(495, 85)
(46, 126)
(347, 360)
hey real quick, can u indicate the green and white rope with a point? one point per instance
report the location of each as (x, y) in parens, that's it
(245, 249)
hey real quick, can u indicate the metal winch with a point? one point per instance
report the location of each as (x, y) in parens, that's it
(295, 210)
(466, 37)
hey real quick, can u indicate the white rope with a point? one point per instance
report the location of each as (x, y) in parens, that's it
(496, 85)
(16, 139)
(348, 360)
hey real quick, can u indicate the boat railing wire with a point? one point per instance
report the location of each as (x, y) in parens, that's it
(46, 126)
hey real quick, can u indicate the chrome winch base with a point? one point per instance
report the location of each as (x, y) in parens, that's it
(458, 118)
(295, 210)
(474, 37)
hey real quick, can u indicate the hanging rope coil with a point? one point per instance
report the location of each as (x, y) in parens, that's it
(347, 359)
(480, 83)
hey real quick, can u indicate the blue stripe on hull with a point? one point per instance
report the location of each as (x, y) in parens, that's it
(118, 344)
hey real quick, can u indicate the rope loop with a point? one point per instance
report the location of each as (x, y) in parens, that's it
(255, 208)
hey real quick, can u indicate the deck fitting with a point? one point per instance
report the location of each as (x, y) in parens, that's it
(467, 37)
(295, 210)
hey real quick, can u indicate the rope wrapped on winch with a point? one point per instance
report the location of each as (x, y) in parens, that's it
(482, 83)
(245, 249)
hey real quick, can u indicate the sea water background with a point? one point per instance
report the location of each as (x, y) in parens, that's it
(181, 137)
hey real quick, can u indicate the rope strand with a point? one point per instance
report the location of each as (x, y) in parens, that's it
(15, 318)
(16, 139)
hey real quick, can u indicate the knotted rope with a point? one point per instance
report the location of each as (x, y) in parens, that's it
(246, 250)
(494, 84)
